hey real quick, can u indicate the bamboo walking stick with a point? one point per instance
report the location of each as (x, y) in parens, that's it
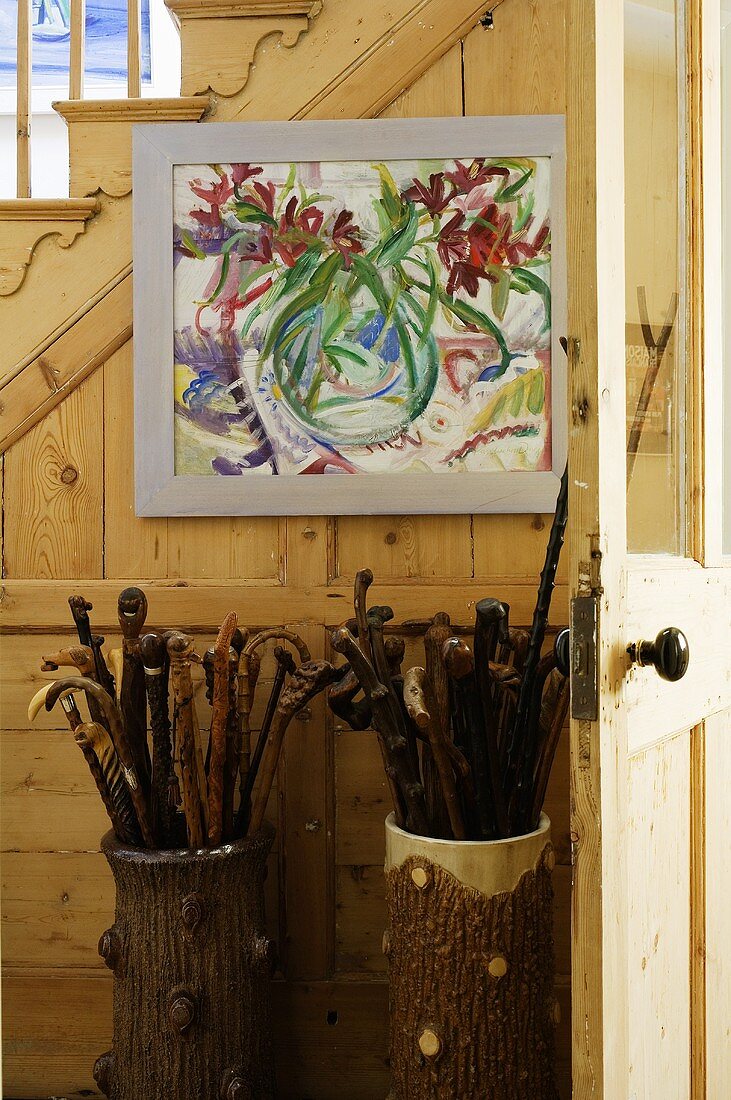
(307, 681)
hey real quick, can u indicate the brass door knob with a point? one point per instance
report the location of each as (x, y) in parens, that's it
(669, 654)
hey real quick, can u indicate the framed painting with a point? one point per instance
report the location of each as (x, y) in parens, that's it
(349, 317)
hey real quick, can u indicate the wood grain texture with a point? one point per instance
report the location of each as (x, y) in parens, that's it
(54, 492)
(325, 889)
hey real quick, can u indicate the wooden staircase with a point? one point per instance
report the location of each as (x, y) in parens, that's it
(65, 265)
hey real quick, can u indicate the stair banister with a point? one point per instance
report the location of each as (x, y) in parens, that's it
(23, 100)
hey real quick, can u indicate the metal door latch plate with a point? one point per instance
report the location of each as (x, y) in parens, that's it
(584, 687)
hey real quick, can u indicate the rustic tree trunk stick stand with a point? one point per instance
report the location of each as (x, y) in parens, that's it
(192, 970)
(470, 951)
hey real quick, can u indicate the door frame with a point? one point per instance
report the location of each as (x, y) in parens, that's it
(599, 564)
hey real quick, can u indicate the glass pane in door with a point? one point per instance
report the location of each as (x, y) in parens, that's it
(726, 260)
(654, 236)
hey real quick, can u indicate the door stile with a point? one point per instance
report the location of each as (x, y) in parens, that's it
(597, 540)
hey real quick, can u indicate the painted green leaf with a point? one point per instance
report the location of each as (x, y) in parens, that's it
(390, 194)
(400, 242)
(192, 246)
(250, 212)
(524, 281)
(431, 309)
(471, 316)
(500, 291)
(522, 395)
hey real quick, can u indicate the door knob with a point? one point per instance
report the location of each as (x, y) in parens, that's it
(669, 654)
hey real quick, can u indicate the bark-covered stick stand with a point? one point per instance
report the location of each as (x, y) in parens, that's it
(470, 952)
(192, 971)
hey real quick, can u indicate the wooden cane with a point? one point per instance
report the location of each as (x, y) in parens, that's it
(421, 702)
(307, 681)
(249, 664)
(80, 609)
(79, 657)
(155, 663)
(219, 724)
(343, 703)
(410, 803)
(491, 623)
(363, 581)
(181, 653)
(103, 761)
(113, 723)
(552, 726)
(132, 613)
(286, 666)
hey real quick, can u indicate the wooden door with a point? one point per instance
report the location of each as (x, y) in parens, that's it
(651, 763)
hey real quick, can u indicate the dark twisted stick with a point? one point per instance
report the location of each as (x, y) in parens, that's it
(491, 623)
(155, 662)
(523, 716)
(306, 682)
(342, 702)
(394, 746)
(434, 638)
(103, 762)
(286, 666)
(548, 749)
(80, 609)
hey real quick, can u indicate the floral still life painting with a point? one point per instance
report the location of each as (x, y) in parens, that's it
(357, 318)
(378, 303)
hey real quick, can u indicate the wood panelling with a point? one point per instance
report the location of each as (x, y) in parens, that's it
(325, 889)
(53, 492)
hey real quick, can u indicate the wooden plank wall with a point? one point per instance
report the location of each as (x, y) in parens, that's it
(69, 522)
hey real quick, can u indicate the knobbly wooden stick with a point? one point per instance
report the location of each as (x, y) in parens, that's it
(342, 702)
(394, 745)
(363, 581)
(307, 681)
(115, 726)
(231, 763)
(219, 723)
(395, 648)
(155, 662)
(180, 652)
(420, 701)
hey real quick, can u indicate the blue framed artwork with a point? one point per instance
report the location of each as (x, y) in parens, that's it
(106, 42)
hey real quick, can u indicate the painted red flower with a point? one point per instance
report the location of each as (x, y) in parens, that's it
(464, 178)
(494, 242)
(465, 276)
(266, 195)
(453, 243)
(215, 194)
(242, 172)
(346, 235)
(296, 231)
(434, 196)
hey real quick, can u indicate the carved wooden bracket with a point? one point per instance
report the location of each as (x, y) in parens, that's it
(25, 222)
(219, 38)
(100, 137)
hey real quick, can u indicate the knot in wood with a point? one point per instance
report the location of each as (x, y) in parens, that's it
(421, 878)
(110, 949)
(102, 1072)
(192, 911)
(430, 1044)
(182, 1010)
(497, 967)
(235, 1086)
(69, 475)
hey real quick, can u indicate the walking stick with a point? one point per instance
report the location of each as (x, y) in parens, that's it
(132, 613)
(194, 791)
(420, 702)
(306, 682)
(285, 667)
(80, 609)
(155, 663)
(115, 726)
(219, 726)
